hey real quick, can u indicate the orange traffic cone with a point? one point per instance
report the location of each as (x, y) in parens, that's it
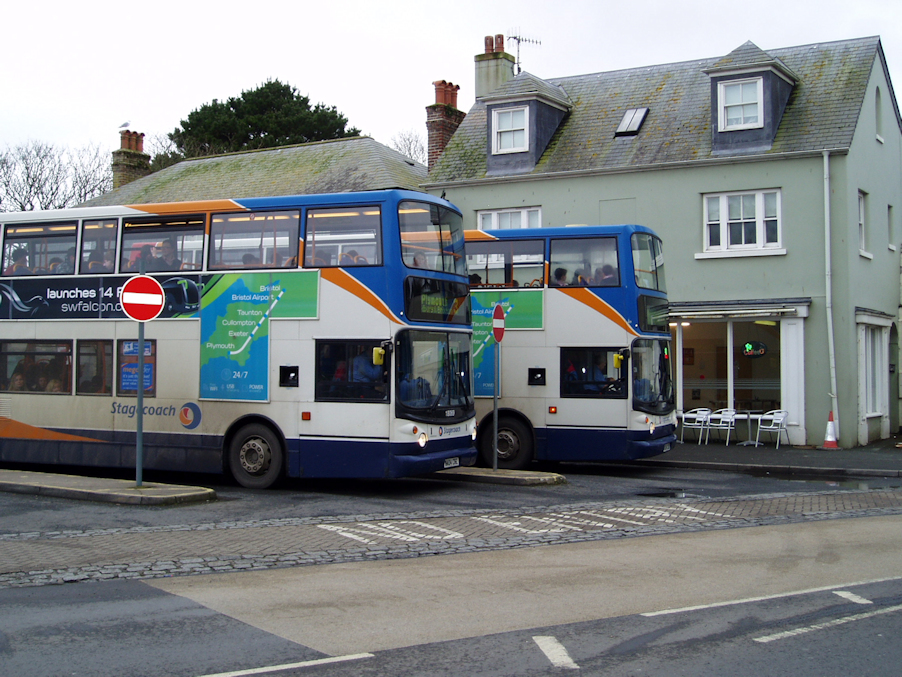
(830, 437)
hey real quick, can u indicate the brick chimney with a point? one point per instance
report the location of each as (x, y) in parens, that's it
(494, 67)
(442, 119)
(130, 162)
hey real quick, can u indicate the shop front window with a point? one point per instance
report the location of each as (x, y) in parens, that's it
(749, 349)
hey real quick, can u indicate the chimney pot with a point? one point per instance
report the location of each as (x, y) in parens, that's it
(499, 42)
(489, 44)
(452, 94)
(440, 92)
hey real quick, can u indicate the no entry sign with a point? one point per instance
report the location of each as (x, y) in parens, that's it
(142, 298)
(498, 323)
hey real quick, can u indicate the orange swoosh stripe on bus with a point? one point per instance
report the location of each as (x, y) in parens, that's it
(585, 296)
(189, 207)
(22, 431)
(478, 236)
(349, 283)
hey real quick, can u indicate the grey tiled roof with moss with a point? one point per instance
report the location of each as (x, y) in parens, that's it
(526, 84)
(822, 112)
(339, 166)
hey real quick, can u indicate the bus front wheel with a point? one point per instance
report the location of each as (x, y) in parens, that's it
(255, 457)
(514, 444)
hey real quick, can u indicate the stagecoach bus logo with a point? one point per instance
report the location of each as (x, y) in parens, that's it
(189, 415)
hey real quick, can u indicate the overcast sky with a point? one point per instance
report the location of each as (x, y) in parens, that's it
(74, 72)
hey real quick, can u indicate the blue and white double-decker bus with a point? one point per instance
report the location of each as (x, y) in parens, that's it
(302, 336)
(585, 370)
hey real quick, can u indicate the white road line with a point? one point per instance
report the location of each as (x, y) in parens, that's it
(555, 652)
(715, 605)
(292, 666)
(852, 597)
(828, 624)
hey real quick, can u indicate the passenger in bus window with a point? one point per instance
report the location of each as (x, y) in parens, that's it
(606, 276)
(419, 260)
(351, 258)
(17, 382)
(146, 254)
(167, 260)
(96, 264)
(250, 260)
(19, 265)
(54, 385)
(67, 267)
(560, 277)
(579, 279)
(362, 368)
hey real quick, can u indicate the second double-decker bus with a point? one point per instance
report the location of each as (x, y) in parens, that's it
(301, 336)
(585, 371)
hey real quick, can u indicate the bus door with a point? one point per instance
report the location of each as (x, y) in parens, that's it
(594, 389)
(353, 390)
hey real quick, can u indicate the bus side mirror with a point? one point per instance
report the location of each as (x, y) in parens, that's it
(378, 356)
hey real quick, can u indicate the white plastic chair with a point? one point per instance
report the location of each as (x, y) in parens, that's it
(695, 419)
(722, 419)
(773, 421)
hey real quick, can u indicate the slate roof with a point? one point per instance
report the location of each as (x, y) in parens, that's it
(339, 166)
(821, 113)
(527, 85)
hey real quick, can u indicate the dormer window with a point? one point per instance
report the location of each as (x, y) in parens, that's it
(741, 104)
(510, 125)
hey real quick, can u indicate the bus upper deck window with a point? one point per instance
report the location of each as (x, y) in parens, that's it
(347, 236)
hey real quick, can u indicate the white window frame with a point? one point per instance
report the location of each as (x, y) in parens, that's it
(722, 86)
(873, 372)
(497, 131)
(494, 219)
(721, 221)
(890, 242)
(863, 226)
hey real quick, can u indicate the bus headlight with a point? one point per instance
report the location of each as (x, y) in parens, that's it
(473, 433)
(422, 439)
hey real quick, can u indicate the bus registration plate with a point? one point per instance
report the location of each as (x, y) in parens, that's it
(452, 462)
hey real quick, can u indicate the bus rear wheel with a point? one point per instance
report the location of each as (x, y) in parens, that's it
(255, 457)
(514, 444)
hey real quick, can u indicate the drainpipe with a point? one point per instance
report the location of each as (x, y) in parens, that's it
(831, 346)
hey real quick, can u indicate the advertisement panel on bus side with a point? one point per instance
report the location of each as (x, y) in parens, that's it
(523, 309)
(84, 298)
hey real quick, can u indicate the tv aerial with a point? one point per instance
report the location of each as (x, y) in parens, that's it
(518, 38)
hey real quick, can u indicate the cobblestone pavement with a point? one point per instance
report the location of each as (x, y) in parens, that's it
(41, 558)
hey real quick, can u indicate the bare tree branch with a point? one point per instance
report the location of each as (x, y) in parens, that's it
(410, 144)
(38, 175)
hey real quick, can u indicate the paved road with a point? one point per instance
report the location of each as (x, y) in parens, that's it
(32, 558)
(823, 593)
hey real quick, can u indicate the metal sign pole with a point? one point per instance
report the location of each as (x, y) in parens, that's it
(139, 442)
(497, 334)
(495, 408)
(139, 451)
(142, 299)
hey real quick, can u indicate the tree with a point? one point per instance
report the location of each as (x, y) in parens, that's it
(163, 151)
(38, 175)
(410, 144)
(272, 115)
